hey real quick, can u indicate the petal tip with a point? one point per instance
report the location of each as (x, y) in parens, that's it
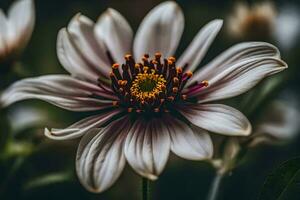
(47, 133)
(218, 23)
(248, 130)
(169, 6)
(151, 177)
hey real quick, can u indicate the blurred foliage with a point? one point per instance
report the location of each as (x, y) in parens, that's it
(283, 183)
(33, 167)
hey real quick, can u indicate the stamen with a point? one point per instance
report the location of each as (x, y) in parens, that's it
(113, 79)
(115, 103)
(189, 74)
(185, 79)
(128, 57)
(172, 59)
(156, 110)
(196, 88)
(205, 83)
(175, 89)
(157, 55)
(150, 86)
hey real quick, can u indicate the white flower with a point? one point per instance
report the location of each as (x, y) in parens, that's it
(24, 117)
(145, 108)
(262, 20)
(257, 21)
(287, 26)
(16, 28)
(280, 123)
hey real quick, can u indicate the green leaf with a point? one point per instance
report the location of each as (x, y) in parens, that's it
(49, 179)
(283, 183)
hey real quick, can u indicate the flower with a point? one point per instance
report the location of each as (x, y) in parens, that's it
(254, 22)
(279, 124)
(25, 117)
(147, 103)
(287, 26)
(263, 21)
(16, 28)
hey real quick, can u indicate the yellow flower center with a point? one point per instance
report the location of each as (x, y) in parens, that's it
(147, 85)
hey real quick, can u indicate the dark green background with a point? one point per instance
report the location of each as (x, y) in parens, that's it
(181, 179)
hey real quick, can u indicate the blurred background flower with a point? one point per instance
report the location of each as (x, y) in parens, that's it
(16, 28)
(254, 22)
(287, 27)
(38, 166)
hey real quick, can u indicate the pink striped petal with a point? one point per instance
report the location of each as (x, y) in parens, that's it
(60, 90)
(81, 127)
(147, 147)
(217, 118)
(100, 158)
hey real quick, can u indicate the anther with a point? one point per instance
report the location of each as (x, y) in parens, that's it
(129, 110)
(189, 74)
(121, 90)
(176, 81)
(137, 66)
(125, 72)
(157, 55)
(113, 79)
(156, 110)
(172, 59)
(122, 82)
(205, 83)
(115, 103)
(170, 98)
(137, 69)
(145, 69)
(115, 66)
(115, 69)
(175, 89)
(154, 62)
(184, 97)
(179, 70)
(138, 111)
(128, 57)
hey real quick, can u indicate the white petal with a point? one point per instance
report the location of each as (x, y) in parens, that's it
(217, 118)
(21, 17)
(287, 27)
(100, 159)
(113, 29)
(233, 55)
(81, 31)
(147, 147)
(239, 78)
(281, 121)
(195, 52)
(3, 34)
(189, 143)
(81, 127)
(60, 90)
(160, 31)
(72, 60)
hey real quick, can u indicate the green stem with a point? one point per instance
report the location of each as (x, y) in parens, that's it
(215, 187)
(146, 192)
